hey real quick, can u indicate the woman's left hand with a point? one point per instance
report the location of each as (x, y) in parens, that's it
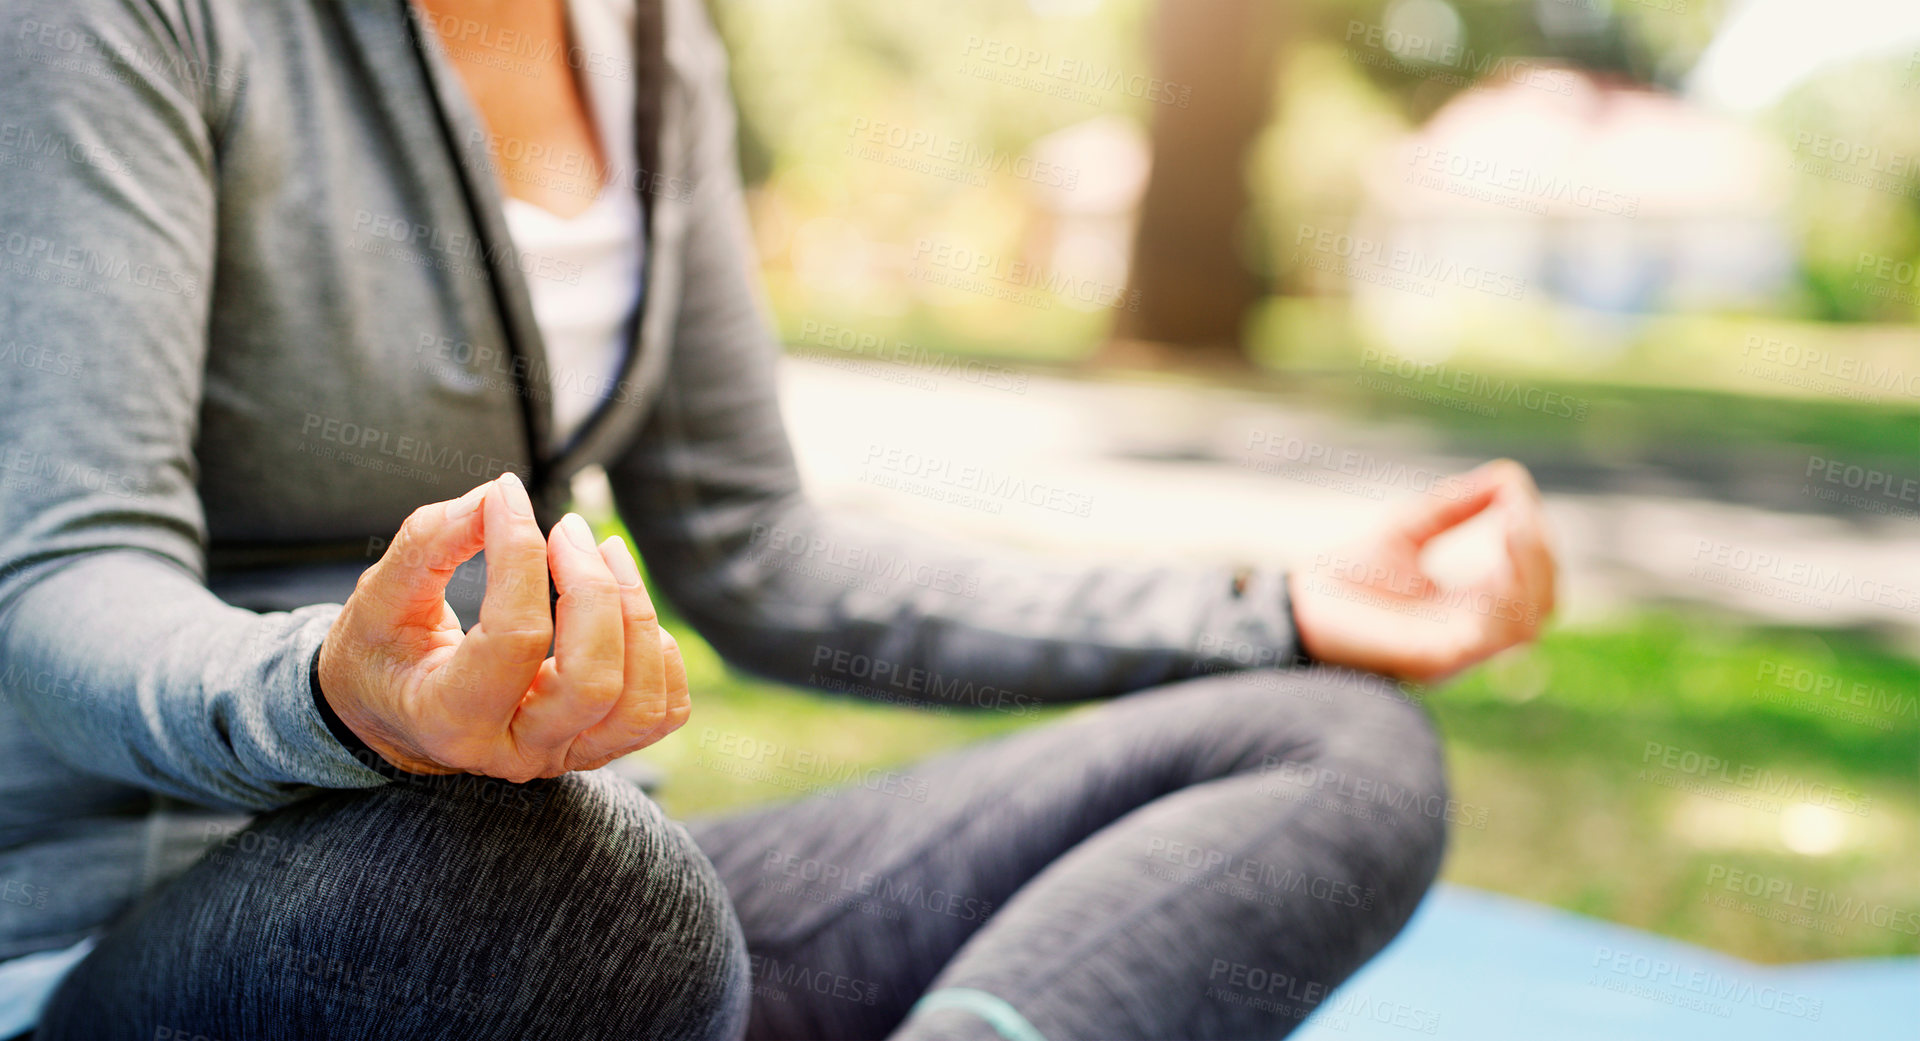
(1372, 606)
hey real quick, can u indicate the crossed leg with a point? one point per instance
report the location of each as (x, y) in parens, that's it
(1204, 860)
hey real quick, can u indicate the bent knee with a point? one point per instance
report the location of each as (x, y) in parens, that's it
(1344, 738)
(1376, 756)
(615, 898)
(512, 894)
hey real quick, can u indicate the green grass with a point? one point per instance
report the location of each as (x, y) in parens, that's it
(1657, 423)
(1565, 746)
(1552, 744)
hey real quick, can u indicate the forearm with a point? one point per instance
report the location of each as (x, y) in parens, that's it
(807, 597)
(125, 666)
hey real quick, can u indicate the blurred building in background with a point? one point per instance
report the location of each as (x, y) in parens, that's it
(1610, 198)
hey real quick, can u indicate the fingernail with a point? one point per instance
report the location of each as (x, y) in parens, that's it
(467, 503)
(620, 559)
(577, 531)
(516, 494)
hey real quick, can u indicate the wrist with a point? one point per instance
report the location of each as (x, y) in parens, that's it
(1305, 627)
(1302, 656)
(358, 736)
(351, 741)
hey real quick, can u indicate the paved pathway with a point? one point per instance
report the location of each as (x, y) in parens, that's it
(1176, 470)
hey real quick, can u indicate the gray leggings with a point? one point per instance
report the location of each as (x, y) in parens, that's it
(1207, 859)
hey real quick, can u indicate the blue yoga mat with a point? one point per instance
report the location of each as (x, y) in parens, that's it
(1477, 966)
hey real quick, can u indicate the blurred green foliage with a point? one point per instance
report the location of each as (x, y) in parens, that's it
(836, 228)
(1854, 135)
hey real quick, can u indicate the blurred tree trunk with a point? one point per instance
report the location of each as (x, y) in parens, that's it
(1193, 287)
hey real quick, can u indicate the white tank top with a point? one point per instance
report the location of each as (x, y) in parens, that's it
(584, 271)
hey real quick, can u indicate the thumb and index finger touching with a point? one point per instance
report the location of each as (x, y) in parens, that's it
(497, 660)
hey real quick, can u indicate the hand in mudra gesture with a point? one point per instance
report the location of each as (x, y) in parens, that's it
(1376, 607)
(432, 699)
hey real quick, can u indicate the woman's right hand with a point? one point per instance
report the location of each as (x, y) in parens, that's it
(430, 699)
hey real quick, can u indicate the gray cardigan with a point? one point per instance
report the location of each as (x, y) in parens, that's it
(257, 303)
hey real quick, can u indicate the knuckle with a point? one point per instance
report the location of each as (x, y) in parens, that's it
(465, 753)
(598, 685)
(413, 530)
(520, 635)
(590, 595)
(517, 769)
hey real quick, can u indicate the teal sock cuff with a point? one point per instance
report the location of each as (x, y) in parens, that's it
(1004, 1018)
